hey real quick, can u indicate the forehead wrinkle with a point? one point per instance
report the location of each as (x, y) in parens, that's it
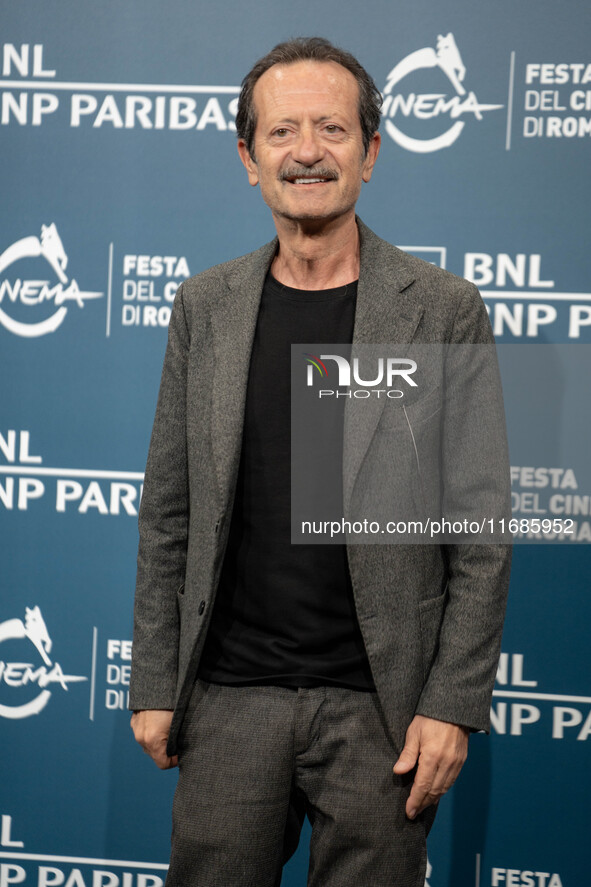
(302, 83)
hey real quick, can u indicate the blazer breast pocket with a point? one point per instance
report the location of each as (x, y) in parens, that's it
(405, 413)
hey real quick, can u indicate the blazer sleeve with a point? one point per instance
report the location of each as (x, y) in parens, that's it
(163, 527)
(459, 685)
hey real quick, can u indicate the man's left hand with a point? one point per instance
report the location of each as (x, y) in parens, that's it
(440, 749)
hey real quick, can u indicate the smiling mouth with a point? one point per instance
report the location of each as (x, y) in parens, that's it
(318, 176)
(304, 181)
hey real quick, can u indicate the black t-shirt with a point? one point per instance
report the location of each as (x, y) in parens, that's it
(284, 614)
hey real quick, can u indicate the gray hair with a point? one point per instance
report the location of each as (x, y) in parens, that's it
(309, 49)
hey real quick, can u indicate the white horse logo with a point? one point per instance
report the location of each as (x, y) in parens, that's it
(50, 247)
(446, 56)
(34, 629)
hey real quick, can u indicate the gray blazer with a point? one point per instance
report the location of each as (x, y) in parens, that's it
(431, 615)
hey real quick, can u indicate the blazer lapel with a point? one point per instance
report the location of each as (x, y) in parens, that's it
(234, 317)
(385, 314)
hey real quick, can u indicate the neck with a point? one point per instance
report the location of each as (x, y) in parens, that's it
(316, 255)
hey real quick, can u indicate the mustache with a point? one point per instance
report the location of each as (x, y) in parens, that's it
(312, 172)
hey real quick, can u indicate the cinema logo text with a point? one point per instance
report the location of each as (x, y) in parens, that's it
(387, 371)
(541, 493)
(24, 674)
(25, 295)
(428, 106)
(118, 674)
(149, 286)
(504, 877)
(553, 107)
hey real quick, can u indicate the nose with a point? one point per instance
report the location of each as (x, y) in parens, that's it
(308, 148)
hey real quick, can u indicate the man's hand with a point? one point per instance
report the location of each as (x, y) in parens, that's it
(151, 729)
(440, 749)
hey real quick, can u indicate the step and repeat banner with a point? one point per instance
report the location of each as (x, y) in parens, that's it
(119, 179)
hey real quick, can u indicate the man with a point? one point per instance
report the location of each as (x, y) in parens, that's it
(338, 681)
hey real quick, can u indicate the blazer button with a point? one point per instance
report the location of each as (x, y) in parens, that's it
(201, 607)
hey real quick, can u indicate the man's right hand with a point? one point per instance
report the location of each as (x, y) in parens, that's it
(151, 729)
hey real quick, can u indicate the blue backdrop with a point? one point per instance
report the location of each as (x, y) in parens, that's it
(120, 178)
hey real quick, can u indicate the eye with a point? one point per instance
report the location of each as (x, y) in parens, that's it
(281, 132)
(332, 128)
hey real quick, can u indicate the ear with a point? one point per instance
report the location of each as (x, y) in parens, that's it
(251, 167)
(371, 157)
